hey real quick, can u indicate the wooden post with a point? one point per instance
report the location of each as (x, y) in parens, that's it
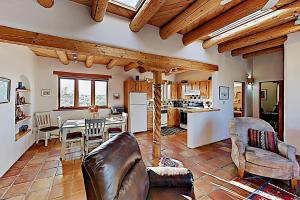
(157, 118)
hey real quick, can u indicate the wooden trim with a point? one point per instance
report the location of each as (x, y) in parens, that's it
(93, 92)
(145, 13)
(76, 96)
(243, 99)
(46, 3)
(98, 9)
(79, 108)
(33, 39)
(281, 111)
(81, 75)
(263, 52)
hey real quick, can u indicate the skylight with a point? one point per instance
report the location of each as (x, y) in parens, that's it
(241, 21)
(130, 4)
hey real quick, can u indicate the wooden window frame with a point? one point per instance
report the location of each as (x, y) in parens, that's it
(76, 93)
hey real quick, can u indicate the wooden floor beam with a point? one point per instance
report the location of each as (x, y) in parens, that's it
(199, 9)
(98, 9)
(89, 61)
(111, 64)
(62, 56)
(278, 17)
(242, 10)
(145, 13)
(263, 52)
(260, 46)
(46, 3)
(33, 39)
(262, 36)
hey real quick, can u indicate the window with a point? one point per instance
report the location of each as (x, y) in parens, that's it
(100, 93)
(130, 4)
(82, 93)
(85, 93)
(67, 92)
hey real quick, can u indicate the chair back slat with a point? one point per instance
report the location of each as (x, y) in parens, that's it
(43, 119)
(94, 127)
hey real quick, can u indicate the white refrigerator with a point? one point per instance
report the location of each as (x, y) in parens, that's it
(137, 112)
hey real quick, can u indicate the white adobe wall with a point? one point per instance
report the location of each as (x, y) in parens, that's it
(265, 68)
(16, 62)
(291, 94)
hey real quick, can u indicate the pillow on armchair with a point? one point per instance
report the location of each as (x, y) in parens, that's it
(266, 140)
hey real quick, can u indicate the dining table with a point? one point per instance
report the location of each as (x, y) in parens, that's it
(71, 125)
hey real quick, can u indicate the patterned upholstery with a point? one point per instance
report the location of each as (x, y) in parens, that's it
(258, 161)
(263, 139)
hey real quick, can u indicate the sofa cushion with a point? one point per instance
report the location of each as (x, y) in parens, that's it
(266, 158)
(263, 139)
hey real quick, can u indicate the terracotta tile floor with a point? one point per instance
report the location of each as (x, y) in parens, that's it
(40, 175)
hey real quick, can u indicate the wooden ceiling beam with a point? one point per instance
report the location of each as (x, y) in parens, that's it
(263, 52)
(33, 39)
(131, 66)
(89, 61)
(260, 46)
(62, 56)
(199, 9)
(280, 16)
(111, 63)
(242, 10)
(46, 3)
(142, 70)
(98, 9)
(262, 36)
(145, 13)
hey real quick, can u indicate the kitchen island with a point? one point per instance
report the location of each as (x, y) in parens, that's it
(201, 127)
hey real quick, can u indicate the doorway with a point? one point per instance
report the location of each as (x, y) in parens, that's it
(239, 99)
(271, 105)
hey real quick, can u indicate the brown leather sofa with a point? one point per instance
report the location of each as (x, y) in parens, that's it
(116, 171)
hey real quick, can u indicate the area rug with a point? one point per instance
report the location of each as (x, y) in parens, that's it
(171, 131)
(266, 189)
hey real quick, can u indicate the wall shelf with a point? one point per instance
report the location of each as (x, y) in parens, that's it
(21, 134)
(21, 105)
(20, 90)
(23, 120)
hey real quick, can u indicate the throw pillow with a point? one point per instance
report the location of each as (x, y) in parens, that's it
(263, 139)
(169, 162)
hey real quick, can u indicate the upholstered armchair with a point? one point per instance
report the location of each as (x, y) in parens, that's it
(258, 161)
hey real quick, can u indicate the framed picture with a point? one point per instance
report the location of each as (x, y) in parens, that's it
(263, 94)
(46, 92)
(5, 85)
(223, 93)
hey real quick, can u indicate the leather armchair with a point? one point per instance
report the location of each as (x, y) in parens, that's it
(257, 161)
(115, 171)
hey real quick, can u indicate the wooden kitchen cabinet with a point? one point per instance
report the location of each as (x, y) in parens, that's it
(174, 91)
(209, 89)
(149, 90)
(173, 117)
(204, 89)
(179, 91)
(150, 120)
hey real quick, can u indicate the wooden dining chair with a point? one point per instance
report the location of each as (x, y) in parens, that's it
(46, 130)
(113, 131)
(71, 137)
(94, 133)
